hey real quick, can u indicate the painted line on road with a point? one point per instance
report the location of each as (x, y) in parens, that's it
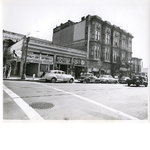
(29, 111)
(96, 103)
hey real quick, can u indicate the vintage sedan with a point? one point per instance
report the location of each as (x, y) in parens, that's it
(124, 80)
(88, 78)
(108, 79)
(138, 80)
(58, 76)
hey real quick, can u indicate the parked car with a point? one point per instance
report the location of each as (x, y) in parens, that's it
(108, 79)
(124, 80)
(138, 80)
(58, 76)
(88, 78)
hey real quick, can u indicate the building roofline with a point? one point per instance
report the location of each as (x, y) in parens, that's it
(5, 31)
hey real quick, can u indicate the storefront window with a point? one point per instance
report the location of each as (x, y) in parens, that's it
(44, 67)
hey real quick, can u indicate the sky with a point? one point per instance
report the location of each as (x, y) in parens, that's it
(40, 17)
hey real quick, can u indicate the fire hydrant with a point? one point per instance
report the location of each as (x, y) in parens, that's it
(33, 76)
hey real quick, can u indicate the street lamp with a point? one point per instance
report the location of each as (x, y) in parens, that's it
(130, 62)
(26, 51)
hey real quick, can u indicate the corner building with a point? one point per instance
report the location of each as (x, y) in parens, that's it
(40, 55)
(108, 48)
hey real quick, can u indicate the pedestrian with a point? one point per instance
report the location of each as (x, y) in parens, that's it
(9, 72)
(43, 74)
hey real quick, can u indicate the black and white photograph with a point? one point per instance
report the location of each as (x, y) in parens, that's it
(74, 61)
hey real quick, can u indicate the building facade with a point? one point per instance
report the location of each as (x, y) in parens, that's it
(136, 66)
(108, 47)
(144, 71)
(41, 55)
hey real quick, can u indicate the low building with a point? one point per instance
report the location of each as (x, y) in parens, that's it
(41, 55)
(144, 71)
(136, 66)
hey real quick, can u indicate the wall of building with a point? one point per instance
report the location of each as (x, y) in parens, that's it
(79, 31)
(64, 36)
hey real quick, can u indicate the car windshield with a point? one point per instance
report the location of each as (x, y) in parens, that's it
(87, 74)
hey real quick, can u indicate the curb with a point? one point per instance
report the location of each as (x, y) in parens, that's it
(31, 80)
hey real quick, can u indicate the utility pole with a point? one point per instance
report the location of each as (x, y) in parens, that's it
(26, 51)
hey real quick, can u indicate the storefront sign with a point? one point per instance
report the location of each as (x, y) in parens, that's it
(31, 57)
(46, 59)
(37, 58)
(65, 60)
(79, 61)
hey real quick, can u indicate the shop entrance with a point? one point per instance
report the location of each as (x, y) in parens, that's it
(63, 68)
(78, 71)
(31, 69)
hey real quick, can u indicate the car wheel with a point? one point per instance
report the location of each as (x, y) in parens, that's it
(115, 82)
(71, 80)
(87, 81)
(145, 85)
(53, 80)
(128, 84)
(137, 84)
(106, 81)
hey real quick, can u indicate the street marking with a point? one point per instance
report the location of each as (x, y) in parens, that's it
(96, 103)
(29, 111)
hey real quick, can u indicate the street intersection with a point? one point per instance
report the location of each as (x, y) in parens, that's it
(27, 100)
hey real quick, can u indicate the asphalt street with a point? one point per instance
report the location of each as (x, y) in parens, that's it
(26, 100)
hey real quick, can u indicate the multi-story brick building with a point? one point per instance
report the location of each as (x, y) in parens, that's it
(108, 47)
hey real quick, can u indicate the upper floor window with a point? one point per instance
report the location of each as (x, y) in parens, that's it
(97, 56)
(115, 55)
(107, 54)
(123, 56)
(130, 43)
(107, 36)
(92, 50)
(124, 42)
(116, 40)
(96, 31)
(95, 51)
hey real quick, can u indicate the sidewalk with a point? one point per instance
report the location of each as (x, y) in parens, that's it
(18, 78)
(28, 78)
